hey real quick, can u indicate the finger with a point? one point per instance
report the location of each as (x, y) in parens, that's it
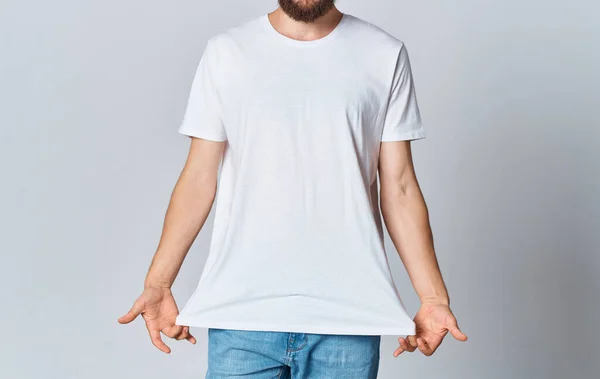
(398, 351)
(184, 334)
(412, 341)
(452, 326)
(173, 331)
(192, 339)
(179, 333)
(135, 311)
(158, 342)
(405, 345)
(189, 336)
(424, 347)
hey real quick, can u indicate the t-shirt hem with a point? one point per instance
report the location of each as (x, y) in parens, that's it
(316, 329)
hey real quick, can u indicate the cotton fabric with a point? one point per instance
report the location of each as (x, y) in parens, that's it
(297, 244)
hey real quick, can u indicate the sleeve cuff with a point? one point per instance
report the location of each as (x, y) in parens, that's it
(204, 134)
(416, 133)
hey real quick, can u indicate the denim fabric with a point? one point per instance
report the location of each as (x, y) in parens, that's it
(279, 355)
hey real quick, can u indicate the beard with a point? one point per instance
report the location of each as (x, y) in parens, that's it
(306, 10)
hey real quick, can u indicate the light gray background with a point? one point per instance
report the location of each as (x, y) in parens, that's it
(91, 95)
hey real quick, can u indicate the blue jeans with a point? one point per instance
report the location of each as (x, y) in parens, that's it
(277, 355)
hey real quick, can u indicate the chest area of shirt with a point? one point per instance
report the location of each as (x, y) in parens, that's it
(304, 89)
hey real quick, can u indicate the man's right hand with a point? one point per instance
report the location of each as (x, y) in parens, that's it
(158, 308)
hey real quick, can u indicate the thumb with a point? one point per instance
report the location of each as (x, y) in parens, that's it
(452, 326)
(132, 314)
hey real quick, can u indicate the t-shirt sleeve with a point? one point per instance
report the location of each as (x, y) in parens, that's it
(203, 115)
(402, 120)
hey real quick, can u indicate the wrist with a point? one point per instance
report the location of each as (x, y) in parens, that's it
(149, 283)
(435, 300)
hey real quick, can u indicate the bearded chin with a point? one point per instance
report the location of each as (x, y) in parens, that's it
(306, 12)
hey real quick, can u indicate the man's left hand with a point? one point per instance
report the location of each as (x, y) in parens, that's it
(433, 322)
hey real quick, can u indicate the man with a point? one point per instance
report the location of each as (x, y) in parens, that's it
(302, 108)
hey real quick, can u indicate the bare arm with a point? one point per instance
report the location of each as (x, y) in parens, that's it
(190, 204)
(407, 221)
(188, 209)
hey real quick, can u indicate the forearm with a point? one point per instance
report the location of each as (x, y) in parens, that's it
(188, 209)
(407, 221)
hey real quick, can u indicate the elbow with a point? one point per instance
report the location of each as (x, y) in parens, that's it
(394, 190)
(198, 185)
(208, 188)
(398, 193)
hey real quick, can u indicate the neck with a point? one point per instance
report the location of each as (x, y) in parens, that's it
(303, 31)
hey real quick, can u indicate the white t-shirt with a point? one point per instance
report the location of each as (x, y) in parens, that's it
(297, 244)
